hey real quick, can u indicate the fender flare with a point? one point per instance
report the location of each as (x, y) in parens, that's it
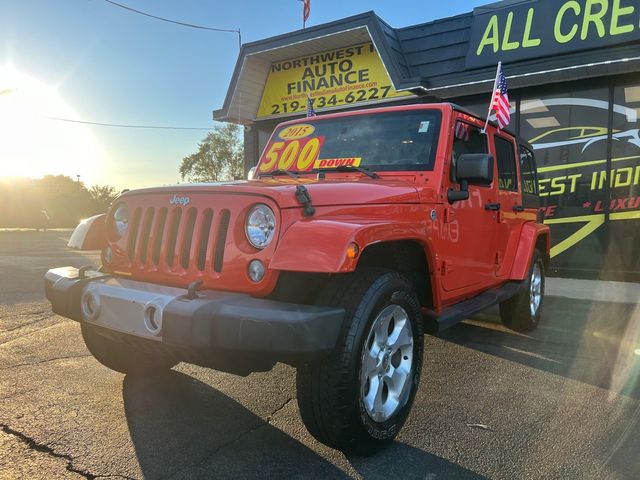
(90, 234)
(529, 236)
(320, 246)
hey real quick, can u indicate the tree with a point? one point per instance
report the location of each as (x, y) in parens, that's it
(103, 196)
(65, 200)
(219, 157)
(53, 201)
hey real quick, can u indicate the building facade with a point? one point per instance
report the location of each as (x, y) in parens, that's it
(573, 70)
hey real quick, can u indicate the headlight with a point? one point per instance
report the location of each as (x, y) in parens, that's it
(120, 220)
(260, 226)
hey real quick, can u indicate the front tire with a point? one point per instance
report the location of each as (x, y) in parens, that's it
(358, 398)
(522, 312)
(123, 358)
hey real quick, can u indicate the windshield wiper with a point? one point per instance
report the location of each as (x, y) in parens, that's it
(351, 168)
(274, 173)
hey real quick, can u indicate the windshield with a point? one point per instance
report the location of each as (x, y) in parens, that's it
(405, 140)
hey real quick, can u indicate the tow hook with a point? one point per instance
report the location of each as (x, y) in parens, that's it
(302, 195)
(82, 271)
(192, 293)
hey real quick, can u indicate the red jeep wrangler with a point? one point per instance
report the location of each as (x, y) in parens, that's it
(358, 233)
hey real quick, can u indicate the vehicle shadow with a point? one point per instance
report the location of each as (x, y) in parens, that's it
(404, 461)
(183, 428)
(588, 341)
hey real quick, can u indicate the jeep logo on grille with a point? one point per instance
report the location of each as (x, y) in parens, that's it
(176, 200)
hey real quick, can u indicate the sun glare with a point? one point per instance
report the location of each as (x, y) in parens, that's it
(31, 143)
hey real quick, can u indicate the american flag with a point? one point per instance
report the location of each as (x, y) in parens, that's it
(306, 10)
(500, 102)
(463, 131)
(310, 111)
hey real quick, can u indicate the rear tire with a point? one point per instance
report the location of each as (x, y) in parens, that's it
(522, 312)
(123, 358)
(358, 398)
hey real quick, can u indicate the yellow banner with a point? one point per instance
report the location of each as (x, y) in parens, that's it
(337, 78)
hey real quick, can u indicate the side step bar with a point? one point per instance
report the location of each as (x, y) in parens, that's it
(460, 311)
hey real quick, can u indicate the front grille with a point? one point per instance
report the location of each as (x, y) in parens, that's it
(222, 238)
(178, 239)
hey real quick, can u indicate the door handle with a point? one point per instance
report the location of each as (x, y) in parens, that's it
(492, 206)
(518, 208)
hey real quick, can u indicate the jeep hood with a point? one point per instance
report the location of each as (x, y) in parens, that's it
(283, 191)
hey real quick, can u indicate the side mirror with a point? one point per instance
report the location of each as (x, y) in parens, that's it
(252, 173)
(474, 168)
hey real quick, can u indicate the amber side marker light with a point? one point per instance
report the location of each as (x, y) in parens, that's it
(126, 274)
(353, 250)
(107, 254)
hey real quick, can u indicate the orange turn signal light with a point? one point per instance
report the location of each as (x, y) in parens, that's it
(353, 250)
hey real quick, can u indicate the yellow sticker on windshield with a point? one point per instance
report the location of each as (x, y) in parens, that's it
(297, 131)
(337, 162)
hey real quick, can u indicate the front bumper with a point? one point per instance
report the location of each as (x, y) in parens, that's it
(213, 325)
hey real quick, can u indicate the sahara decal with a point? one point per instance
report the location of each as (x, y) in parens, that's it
(506, 183)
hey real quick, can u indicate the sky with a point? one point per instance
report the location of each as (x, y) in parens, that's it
(89, 60)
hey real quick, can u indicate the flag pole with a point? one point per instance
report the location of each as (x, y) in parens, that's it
(304, 20)
(493, 94)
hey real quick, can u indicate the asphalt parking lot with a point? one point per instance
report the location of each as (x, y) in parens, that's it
(563, 402)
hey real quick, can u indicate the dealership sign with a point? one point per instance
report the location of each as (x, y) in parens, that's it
(336, 78)
(539, 28)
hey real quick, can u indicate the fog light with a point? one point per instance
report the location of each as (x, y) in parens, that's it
(256, 271)
(90, 305)
(107, 255)
(153, 318)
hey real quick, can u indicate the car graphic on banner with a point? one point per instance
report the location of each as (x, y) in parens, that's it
(583, 136)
